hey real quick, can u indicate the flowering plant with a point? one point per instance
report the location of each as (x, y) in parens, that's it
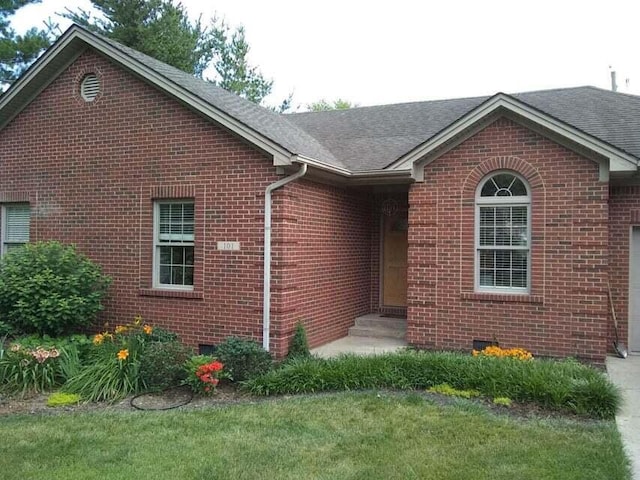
(25, 369)
(495, 351)
(204, 373)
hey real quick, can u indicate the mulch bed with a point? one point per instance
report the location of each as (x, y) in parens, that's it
(180, 398)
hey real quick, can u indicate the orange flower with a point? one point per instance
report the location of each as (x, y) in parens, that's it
(147, 329)
(98, 339)
(122, 354)
(121, 329)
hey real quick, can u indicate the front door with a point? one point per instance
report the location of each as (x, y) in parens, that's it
(394, 259)
(634, 291)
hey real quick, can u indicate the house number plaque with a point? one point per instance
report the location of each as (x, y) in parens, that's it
(233, 246)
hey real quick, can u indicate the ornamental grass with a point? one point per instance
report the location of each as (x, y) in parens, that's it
(560, 385)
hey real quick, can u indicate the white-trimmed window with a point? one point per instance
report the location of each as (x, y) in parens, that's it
(503, 234)
(15, 225)
(173, 228)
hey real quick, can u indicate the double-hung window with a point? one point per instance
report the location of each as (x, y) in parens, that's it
(503, 234)
(173, 244)
(15, 225)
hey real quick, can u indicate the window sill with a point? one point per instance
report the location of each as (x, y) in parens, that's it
(503, 297)
(157, 292)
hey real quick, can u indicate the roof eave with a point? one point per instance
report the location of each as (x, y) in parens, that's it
(504, 105)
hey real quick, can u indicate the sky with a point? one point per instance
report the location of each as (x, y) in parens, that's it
(380, 52)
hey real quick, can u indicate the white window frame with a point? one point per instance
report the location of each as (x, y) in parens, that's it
(157, 244)
(514, 201)
(3, 238)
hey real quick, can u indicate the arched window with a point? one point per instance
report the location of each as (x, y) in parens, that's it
(503, 234)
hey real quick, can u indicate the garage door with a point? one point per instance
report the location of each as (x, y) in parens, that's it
(634, 292)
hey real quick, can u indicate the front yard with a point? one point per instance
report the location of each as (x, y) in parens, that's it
(336, 436)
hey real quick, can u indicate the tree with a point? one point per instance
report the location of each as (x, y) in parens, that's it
(322, 105)
(163, 30)
(17, 52)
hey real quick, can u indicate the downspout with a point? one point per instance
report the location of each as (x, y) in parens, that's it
(266, 305)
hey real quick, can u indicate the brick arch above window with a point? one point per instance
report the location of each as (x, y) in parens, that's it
(514, 164)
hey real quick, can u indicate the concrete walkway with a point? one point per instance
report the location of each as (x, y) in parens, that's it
(626, 374)
(360, 346)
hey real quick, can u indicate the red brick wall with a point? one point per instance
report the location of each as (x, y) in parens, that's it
(566, 311)
(92, 170)
(624, 212)
(322, 272)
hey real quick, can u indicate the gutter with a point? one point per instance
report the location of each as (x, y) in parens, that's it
(266, 304)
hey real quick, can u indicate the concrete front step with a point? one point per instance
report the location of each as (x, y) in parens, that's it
(376, 320)
(376, 332)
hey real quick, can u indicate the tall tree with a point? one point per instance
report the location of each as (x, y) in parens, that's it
(322, 105)
(17, 52)
(163, 30)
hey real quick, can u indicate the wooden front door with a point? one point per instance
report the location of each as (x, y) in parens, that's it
(394, 259)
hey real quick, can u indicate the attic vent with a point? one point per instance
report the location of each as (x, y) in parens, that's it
(90, 87)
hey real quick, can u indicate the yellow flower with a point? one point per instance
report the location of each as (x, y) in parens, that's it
(121, 329)
(137, 320)
(123, 354)
(98, 339)
(147, 329)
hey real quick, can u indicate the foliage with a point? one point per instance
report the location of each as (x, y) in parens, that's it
(299, 346)
(243, 358)
(29, 370)
(50, 288)
(502, 401)
(114, 367)
(163, 30)
(162, 364)
(561, 385)
(61, 399)
(17, 52)
(495, 351)
(345, 436)
(203, 374)
(446, 389)
(322, 105)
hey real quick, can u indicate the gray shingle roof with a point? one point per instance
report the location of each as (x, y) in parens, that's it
(373, 137)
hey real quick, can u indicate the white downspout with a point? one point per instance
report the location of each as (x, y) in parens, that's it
(266, 305)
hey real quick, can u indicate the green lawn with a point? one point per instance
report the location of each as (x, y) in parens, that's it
(354, 436)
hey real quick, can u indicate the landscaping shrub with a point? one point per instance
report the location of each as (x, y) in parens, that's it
(299, 346)
(243, 358)
(49, 288)
(162, 364)
(563, 385)
(203, 374)
(448, 390)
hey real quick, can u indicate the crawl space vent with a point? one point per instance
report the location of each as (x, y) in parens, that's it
(90, 87)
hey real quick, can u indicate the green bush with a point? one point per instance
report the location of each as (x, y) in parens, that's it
(203, 373)
(562, 385)
(243, 358)
(162, 364)
(299, 346)
(448, 390)
(49, 288)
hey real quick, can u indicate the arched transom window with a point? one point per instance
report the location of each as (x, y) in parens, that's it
(503, 234)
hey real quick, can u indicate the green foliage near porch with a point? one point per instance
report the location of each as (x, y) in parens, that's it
(560, 385)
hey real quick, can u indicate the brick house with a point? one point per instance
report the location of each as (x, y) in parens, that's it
(500, 218)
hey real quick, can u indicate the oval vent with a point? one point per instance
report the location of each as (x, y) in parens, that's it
(90, 87)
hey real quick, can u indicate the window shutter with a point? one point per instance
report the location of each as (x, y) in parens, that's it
(17, 224)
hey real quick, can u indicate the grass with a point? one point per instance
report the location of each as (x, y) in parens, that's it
(340, 436)
(558, 385)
